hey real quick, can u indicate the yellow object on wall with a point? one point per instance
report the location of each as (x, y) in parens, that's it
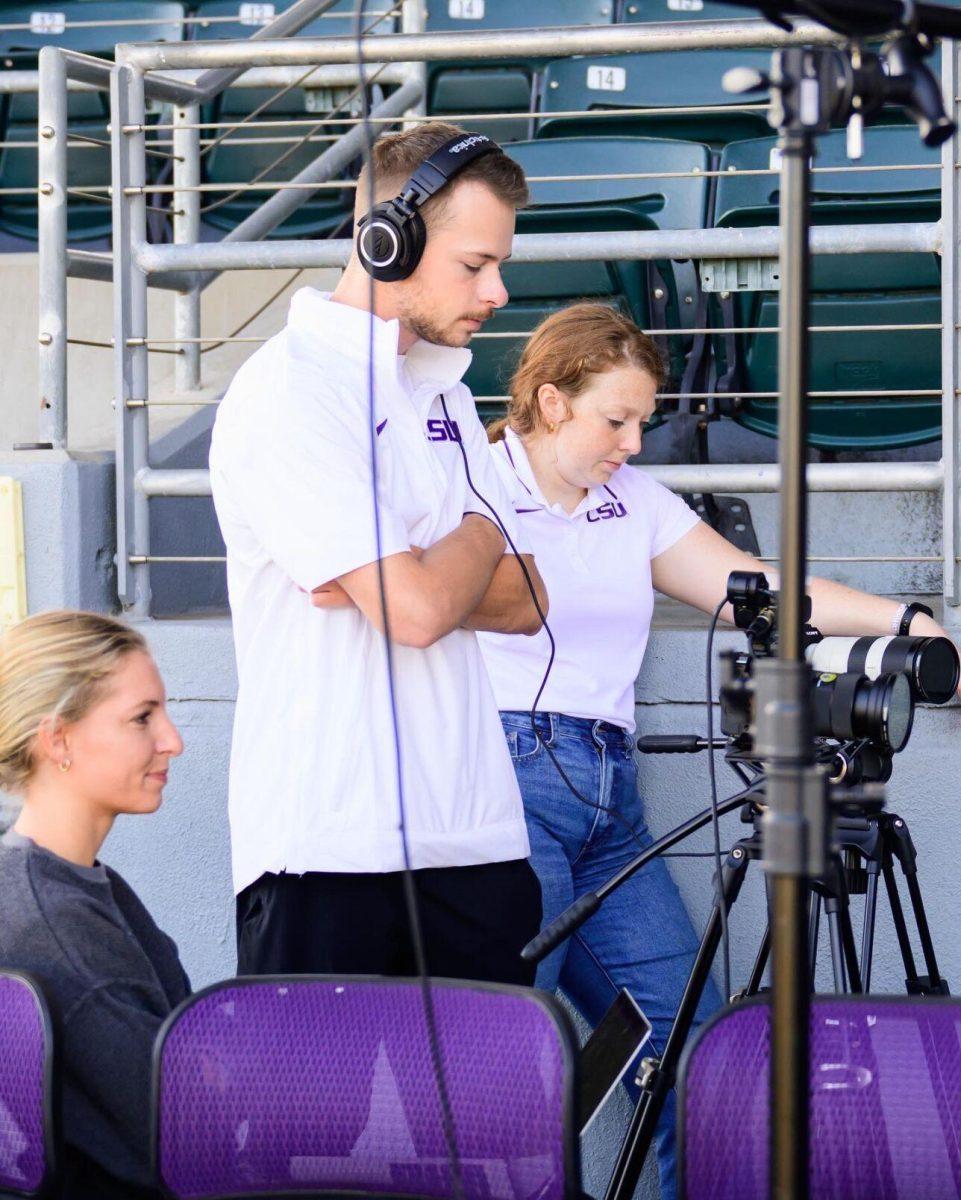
(13, 571)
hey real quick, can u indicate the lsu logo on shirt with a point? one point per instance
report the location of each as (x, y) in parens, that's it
(440, 430)
(607, 512)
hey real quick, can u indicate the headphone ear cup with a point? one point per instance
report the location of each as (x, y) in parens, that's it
(415, 239)
(390, 244)
(379, 240)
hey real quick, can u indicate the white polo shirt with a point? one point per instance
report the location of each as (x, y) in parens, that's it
(596, 564)
(312, 772)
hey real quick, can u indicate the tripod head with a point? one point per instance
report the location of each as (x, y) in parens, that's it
(862, 18)
(815, 89)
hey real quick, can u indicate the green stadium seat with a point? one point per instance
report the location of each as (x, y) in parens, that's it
(243, 155)
(865, 289)
(92, 27)
(658, 81)
(239, 19)
(586, 205)
(505, 86)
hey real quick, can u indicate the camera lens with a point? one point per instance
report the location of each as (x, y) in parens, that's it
(930, 664)
(850, 706)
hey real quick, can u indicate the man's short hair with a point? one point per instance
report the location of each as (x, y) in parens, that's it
(396, 156)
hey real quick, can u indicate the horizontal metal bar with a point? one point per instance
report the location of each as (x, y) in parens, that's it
(825, 558)
(517, 336)
(90, 264)
(28, 82)
(97, 72)
(493, 44)
(561, 247)
(324, 76)
(870, 394)
(587, 113)
(865, 558)
(139, 559)
(696, 173)
(866, 394)
(725, 478)
(150, 481)
(231, 18)
(822, 477)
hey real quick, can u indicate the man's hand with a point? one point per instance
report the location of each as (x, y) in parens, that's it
(332, 595)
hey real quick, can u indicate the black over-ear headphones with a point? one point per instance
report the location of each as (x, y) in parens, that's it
(391, 238)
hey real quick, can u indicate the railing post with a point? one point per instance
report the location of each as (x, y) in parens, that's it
(412, 21)
(951, 343)
(52, 246)
(186, 220)
(130, 323)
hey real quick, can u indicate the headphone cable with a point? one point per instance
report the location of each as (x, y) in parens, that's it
(410, 890)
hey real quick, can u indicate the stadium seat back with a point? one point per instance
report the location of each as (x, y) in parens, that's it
(28, 1083)
(322, 1085)
(505, 86)
(885, 1117)
(656, 83)
(856, 289)
(238, 19)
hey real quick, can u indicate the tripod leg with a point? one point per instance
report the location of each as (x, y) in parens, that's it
(850, 950)
(870, 919)
(760, 963)
(837, 959)
(899, 839)
(912, 979)
(814, 927)
(658, 1083)
(936, 984)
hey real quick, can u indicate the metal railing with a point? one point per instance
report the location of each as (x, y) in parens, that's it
(187, 265)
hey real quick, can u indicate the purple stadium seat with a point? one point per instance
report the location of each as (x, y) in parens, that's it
(26, 1088)
(885, 1101)
(323, 1084)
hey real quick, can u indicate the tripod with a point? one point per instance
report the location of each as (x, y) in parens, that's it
(878, 840)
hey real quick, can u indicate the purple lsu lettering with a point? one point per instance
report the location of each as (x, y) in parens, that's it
(440, 430)
(607, 512)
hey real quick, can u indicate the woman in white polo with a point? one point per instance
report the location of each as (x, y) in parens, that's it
(605, 535)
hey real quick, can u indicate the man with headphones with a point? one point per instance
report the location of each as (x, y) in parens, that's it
(360, 396)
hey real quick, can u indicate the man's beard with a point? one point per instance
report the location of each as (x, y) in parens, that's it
(426, 329)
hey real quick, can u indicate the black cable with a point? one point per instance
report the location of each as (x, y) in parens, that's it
(410, 891)
(715, 818)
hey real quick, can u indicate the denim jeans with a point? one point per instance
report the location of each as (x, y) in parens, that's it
(641, 938)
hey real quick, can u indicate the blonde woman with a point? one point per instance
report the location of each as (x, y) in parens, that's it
(605, 536)
(84, 738)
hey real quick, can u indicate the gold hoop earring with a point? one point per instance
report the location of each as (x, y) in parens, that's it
(65, 765)
(551, 426)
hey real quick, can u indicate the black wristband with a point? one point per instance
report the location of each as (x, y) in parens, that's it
(908, 616)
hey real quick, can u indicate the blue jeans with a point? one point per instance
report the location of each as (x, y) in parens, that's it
(641, 938)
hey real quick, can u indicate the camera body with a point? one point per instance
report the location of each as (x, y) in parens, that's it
(860, 721)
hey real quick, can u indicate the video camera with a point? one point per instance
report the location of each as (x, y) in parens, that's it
(863, 692)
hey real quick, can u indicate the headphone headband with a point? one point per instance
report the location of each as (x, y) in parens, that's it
(443, 165)
(391, 238)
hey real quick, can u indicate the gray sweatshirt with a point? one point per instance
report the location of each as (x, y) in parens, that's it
(111, 977)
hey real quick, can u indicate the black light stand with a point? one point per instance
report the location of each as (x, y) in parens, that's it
(813, 89)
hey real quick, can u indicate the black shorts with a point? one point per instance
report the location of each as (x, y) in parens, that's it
(475, 922)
